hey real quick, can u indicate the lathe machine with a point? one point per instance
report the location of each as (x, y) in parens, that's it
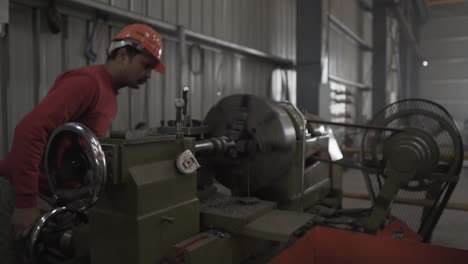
(240, 187)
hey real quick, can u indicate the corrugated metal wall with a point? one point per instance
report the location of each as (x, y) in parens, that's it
(444, 40)
(31, 56)
(349, 62)
(344, 51)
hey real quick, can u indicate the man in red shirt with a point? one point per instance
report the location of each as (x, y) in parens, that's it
(86, 95)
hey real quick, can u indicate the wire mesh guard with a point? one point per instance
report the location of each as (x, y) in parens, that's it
(432, 190)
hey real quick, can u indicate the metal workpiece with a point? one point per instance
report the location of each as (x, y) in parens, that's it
(204, 145)
(214, 145)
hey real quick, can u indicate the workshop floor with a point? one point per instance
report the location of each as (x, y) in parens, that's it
(452, 229)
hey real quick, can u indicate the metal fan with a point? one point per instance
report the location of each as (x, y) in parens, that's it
(418, 154)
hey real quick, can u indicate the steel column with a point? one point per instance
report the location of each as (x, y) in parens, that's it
(4, 83)
(403, 92)
(405, 70)
(311, 52)
(379, 58)
(414, 60)
(406, 28)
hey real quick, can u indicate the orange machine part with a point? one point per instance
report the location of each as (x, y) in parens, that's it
(323, 245)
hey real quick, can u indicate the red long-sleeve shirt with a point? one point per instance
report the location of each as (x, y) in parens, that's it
(84, 95)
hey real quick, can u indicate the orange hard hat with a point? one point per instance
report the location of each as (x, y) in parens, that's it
(143, 35)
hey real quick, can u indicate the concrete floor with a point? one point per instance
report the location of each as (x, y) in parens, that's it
(452, 229)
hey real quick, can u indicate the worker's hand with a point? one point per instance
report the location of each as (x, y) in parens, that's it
(23, 221)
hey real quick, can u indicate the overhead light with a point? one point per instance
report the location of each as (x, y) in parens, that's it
(425, 63)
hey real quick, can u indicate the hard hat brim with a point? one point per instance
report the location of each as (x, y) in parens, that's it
(160, 68)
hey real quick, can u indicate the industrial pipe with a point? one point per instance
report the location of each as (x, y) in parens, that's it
(284, 63)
